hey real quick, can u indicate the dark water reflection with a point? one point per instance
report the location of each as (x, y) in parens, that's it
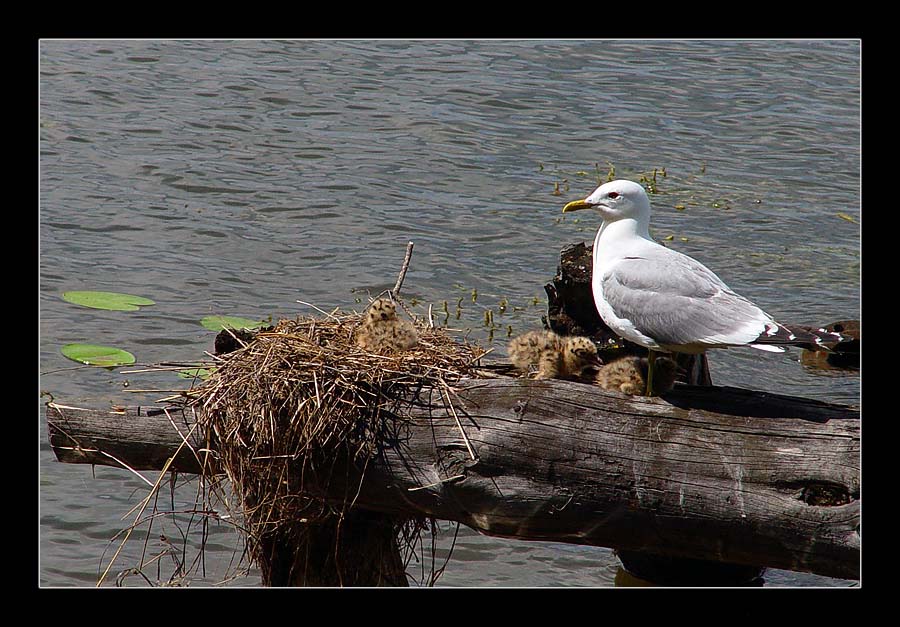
(236, 177)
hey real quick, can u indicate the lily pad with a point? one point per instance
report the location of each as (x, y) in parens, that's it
(195, 373)
(94, 355)
(112, 301)
(217, 323)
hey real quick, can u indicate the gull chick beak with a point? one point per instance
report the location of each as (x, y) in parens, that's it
(575, 205)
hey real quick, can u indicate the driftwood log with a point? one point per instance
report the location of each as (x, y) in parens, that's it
(763, 480)
(721, 481)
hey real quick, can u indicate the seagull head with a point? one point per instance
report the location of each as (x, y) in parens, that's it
(616, 200)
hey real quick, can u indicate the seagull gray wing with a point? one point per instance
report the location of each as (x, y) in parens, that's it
(677, 301)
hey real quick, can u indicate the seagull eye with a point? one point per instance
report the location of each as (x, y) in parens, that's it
(613, 194)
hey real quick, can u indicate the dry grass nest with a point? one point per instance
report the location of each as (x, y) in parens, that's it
(301, 398)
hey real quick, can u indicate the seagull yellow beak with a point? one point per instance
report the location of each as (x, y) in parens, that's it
(575, 205)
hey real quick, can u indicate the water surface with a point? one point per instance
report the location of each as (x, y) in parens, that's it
(236, 177)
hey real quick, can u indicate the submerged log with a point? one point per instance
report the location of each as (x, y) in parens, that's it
(718, 474)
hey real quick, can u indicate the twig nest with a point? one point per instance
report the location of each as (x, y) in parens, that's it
(302, 397)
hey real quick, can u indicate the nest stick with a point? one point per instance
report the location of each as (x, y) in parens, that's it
(456, 418)
(403, 269)
(436, 483)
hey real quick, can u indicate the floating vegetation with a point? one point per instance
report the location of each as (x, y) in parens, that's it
(111, 301)
(565, 187)
(610, 174)
(195, 373)
(649, 180)
(217, 323)
(96, 355)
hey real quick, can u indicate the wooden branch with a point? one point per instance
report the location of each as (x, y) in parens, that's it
(403, 269)
(136, 438)
(720, 474)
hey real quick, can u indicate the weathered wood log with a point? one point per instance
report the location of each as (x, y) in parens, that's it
(136, 438)
(571, 311)
(718, 474)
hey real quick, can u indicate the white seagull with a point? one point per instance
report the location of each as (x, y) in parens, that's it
(664, 300)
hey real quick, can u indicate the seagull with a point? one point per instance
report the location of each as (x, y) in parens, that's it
(664, 300)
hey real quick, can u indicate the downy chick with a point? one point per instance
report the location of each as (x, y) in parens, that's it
(538, 349)
(629, 375)
(382, 331)
(552, 356)
(578, 353)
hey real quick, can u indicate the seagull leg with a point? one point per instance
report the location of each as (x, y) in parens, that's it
(651, 359)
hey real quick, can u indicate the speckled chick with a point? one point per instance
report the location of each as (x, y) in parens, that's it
(551, 355)
(578, 353)
(629, 375)
(382, 331)
(539, 349)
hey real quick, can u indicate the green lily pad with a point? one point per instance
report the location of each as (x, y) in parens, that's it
(94, 355)
(112, 301)
(195, 373)
(217, 323)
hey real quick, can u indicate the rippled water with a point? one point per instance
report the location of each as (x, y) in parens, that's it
(236, 177)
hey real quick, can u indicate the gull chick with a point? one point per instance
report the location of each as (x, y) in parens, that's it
(629, 375)
(552, 356)
(578, 353)
(382, 331)
(536, 348)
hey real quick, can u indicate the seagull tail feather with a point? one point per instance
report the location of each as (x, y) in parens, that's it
(778, 335)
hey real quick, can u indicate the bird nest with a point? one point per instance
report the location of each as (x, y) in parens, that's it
(302, 401)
